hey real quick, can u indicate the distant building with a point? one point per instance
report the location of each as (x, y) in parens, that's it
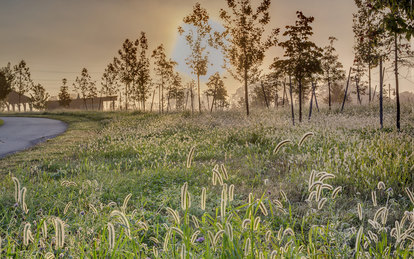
(14, 100)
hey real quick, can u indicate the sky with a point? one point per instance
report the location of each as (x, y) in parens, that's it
(58, 38)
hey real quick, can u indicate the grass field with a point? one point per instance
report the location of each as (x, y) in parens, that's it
(218, 185)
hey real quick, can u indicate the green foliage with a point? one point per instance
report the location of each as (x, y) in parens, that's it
(38, 96)
(64, 96)
(296, 199)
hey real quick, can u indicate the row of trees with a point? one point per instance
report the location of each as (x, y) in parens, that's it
(18, 78)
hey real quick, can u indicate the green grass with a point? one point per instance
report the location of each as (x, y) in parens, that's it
(104, 157)
(1, 122)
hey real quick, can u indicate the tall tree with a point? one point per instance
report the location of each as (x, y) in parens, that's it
(244, 46)
(126, 66)
(197, 37)
(38, 97)
(6, 79)
(64, 96)
(142, 81)
(110, 83)
(367, 37)
(398, 22)
(164, 69)
(217, 91)
(332, 68)
(22, 80)
(82, 85)
(302, 56)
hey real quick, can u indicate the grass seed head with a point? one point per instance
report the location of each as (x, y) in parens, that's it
(305, 136)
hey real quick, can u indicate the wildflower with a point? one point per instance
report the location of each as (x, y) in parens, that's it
(200, 240)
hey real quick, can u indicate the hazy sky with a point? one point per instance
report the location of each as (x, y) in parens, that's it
(58, 38)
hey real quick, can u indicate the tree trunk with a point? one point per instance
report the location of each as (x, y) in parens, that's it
(369, 80)
(126, 96)
(346, 90)
(264, 94)
(291, 100)
(329, 92)
(381, 96)
(246, 93)
(316, 100)
(284, 93)
(397, 89)
(300, 100)
(199, 95)
(358, 94)
(192, 101)
(311, 102)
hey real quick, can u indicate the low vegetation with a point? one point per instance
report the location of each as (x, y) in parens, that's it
(141, 185)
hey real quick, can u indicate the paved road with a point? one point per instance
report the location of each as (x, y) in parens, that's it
(19, 133)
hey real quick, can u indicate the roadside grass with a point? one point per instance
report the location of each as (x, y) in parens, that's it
(1, 122)
(111, 177)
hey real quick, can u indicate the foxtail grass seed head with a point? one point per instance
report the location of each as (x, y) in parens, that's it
(231, 192)
(381, 186)
(289, 232)
(326, 176)
(336, 191)
(124, 220)
(217, 236)
(174, 214)
(262, 208)
(318, 193)
(190, 157)
(246, 223)
(178, 231)
(250, 198)
(203, 198)
(247, 247)
(153, 239)
(166, 239)
(111, 235)
(23, 200)
(360, 211)
(280, 145)
(211, 237)
(125, 204)
(185, 197)
(321, 203)
(283, 194)
(358, 238)
(278, 204)
(16, 189)
(49, 255)
(155, 251)
(315, 185)
(268, 235)
(374, 198)
(67, 208)
(280, 234)
(273, 255)
(410, 195)
(327, 186)
(256, 223)
(224, 172)
(26, 234)
(223, 204)
(195, 221)
(93, 209)
(219, 178)
(229, 231)
(194, 236)
(311, 179)
(305, 137)
(183, 251)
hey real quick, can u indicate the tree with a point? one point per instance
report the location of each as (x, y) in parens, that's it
(22, 81)
(5, 83)
(332, 68)
(358, 72)
(337, 93)
(92, 92)
(197, 37)
(367, 37)
(216, 90)
(302, 55)
(64, 96)
(126, 66)
(38, 97)
(142, 80)
(109, 82)
(244, 47)
(83, 85)
(164, 70)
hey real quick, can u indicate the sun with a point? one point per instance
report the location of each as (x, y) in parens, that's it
(181, 51)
